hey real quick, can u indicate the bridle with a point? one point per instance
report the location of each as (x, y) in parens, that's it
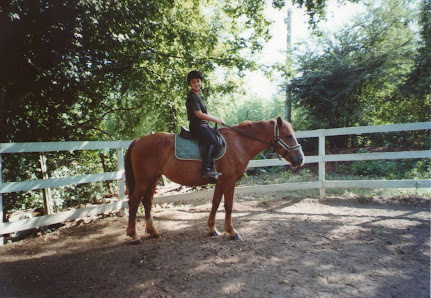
(277, 140)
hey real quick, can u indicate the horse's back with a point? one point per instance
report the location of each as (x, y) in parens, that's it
(155, 140)
(153, 146)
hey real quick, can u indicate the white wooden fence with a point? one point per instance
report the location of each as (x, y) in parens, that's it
(321, 183)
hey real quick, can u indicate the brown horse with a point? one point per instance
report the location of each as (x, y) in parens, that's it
(153, 155)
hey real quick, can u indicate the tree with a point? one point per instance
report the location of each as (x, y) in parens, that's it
(315, 9)
(73, 69)
(69, 65)
(350, 77)
(416, 90)
(86, 70)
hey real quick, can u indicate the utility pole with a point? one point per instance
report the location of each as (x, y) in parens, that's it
(288, 102)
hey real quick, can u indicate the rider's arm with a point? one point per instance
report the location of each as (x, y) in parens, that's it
(208, 117)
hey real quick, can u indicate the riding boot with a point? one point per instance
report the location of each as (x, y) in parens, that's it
(208, 163)
(211, 153)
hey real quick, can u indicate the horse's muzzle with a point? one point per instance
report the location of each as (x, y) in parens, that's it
(297, 161)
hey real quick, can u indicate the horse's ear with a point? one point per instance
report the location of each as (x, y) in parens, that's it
(279, 122)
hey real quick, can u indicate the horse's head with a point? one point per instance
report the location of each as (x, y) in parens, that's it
(286, 145)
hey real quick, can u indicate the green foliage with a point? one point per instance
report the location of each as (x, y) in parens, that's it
(110, 69)
(416, 90)
(352, 77)
(315, 9)
(277, 175)
(23, 167)
(94, 70)
(388, 169)
(239, 108)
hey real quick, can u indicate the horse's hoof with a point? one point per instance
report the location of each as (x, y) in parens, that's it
(136, 241)
(235, 237)
(156, 236)
(214, 233)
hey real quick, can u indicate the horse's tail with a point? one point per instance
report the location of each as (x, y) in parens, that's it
(130, 176)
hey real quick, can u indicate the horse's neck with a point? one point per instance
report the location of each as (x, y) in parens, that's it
(253, 146)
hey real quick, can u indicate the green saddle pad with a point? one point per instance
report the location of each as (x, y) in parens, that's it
(189, 149)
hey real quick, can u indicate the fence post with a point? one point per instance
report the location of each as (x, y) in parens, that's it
(1, 205)
(322, 163)
(120, 157)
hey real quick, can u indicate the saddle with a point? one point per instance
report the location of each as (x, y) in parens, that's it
(186, 135)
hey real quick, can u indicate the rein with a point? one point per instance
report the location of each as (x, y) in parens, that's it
(277, 140)
(247, 135)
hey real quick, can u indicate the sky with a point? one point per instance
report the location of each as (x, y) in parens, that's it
(337, 16)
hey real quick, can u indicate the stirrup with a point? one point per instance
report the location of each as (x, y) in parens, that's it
(210, 174)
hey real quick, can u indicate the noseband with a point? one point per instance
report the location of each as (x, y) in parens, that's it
(277, 141)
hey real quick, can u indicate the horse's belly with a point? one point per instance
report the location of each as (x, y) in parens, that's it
(188, 179)
(184, 172)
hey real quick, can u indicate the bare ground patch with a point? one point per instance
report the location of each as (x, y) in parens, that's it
(295, 247)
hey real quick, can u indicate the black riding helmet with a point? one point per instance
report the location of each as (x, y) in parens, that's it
(194, 74)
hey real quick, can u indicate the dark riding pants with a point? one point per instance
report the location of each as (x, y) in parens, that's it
(209, 142)
(204, 135)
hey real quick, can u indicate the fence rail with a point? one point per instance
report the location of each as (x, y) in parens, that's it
(321, 183)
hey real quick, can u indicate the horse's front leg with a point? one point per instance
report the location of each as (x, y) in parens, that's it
(228, 190)
(218, 193)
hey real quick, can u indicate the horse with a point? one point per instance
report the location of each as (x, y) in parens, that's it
(150, 156)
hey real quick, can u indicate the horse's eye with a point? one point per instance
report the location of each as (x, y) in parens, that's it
(289, 137)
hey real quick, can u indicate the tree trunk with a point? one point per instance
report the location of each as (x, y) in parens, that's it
(47, 199)
(105, 169)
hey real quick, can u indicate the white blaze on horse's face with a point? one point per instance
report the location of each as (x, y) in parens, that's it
(299, 154)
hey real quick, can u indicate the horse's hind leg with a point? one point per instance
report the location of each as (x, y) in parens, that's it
(218, 193)
(140, 192)
(148, 203)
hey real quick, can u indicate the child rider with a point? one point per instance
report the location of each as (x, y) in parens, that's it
(199, 119)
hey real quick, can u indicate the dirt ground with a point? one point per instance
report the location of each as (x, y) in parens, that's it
(291, 247)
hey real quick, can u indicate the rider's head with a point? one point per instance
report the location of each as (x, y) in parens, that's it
(194, 79)
(194, 74)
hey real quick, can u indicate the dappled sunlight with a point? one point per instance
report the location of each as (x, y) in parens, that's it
(294, 247)
(399, 223)
(233, 288)
(179, 225)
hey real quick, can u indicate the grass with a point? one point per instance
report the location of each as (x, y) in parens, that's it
(279, 175)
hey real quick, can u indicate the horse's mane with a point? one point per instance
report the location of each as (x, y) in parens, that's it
(263, 124)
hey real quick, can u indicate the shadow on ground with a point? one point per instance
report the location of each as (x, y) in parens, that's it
(291, 247)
